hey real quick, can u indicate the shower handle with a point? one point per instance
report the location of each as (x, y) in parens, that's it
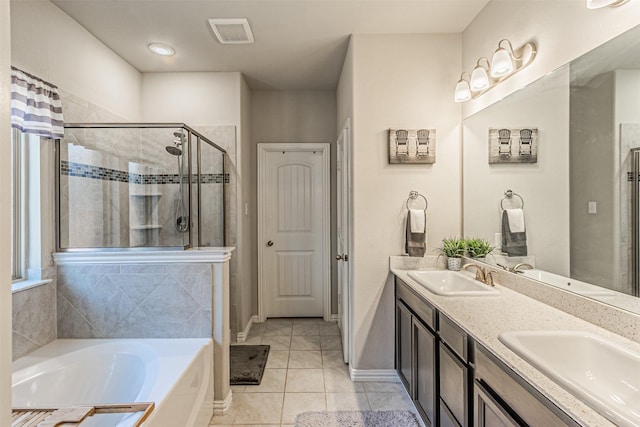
(270, 243)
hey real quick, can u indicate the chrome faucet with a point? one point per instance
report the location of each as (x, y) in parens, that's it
(482, 275)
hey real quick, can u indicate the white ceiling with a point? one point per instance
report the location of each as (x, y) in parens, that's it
(300, 44)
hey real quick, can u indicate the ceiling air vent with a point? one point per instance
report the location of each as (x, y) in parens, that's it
(232, 31)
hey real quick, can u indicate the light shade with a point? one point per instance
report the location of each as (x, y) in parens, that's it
(161, 49)
(597, 4)
(462, 92)
(479, 79)
(502, 63)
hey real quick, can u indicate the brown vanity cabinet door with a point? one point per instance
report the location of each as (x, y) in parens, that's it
(454, 385)
(404, 331)
(489, 412)
(425, 372)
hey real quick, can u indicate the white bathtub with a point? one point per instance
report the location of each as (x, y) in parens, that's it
(175, 374)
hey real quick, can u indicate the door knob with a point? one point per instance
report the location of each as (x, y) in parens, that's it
(343, 257)
(269, 243)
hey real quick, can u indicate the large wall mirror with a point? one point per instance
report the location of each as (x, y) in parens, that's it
(581, 195)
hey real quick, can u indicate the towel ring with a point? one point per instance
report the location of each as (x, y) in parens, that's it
(414, 195)
(509, 195)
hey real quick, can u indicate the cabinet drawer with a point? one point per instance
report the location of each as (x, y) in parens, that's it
(423, 310)
(454, 385)
(454, 337)
(489, 412)
(531, 406)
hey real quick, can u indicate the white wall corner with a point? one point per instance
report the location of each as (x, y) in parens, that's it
(377, 375)
(221, 407)
(242, 336)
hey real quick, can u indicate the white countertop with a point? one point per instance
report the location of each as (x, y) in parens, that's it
(486, 317)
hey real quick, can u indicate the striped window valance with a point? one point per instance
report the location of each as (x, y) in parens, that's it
(35, 105)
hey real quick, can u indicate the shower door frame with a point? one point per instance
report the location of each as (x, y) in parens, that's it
(635, 219)
(191, 132)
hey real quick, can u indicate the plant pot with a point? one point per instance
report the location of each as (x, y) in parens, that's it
(454, 264)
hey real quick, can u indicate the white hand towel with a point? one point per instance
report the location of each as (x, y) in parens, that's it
(418, 220)
(516, 220)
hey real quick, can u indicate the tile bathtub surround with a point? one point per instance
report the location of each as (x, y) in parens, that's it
(33, 318)
(305, 372)
(134, 300)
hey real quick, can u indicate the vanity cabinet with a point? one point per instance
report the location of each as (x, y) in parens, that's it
(416, 351)
(454, 373)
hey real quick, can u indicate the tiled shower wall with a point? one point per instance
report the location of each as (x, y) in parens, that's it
(134, 300)
(34, 316)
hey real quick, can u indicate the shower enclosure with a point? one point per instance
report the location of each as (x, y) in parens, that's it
(125, 186)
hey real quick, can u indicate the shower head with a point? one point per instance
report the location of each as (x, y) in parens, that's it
(178, 138)
(174, 151)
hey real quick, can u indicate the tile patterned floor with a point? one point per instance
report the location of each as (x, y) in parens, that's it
(304, 372)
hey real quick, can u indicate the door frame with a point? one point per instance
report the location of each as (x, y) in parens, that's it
(345, 156)
(324, 148)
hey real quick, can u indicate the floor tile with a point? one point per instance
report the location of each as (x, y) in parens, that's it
(253, 408)
(383, 387)
(250, 341)
(300, 320)
(390, 401)
(337, 380)
(277, 342)
(277, 359)
(333, 359)
(257, 329)
(274, 329)
(305, 343)
(329, 329)
(273, 381)
(330, 342)
(305, 359)
(295, 403)
(305, 329)
(237, 388)
(305, 380)
(347, 402)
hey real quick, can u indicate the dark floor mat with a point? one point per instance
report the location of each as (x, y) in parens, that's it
(247, 364)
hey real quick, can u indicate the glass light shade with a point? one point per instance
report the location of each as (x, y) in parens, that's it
(479, 79)
(462, 92)
(501, 64)
(161, 49)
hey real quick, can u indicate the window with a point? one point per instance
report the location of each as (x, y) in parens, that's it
(18, 210)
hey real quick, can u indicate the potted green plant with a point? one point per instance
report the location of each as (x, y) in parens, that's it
(479, 248)
(453, 248)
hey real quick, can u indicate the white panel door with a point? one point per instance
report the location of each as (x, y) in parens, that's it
(344, 236)
(294, 232)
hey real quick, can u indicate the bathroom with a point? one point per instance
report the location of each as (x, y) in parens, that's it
(384, 81)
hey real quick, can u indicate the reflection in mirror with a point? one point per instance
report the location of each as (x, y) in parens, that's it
(579, 213)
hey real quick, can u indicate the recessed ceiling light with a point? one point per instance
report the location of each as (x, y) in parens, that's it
(161, 49)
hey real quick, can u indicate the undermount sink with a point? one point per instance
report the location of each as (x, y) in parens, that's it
(451, 283)
(603, 374)
(576, 286)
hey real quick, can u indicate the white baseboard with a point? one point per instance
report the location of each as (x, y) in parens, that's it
(333, 318)
(378, 375)
(242, 336)
(221, 407)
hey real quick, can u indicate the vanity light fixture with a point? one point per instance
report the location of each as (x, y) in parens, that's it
(161, 49)
(597, 4)
(463, 91)
(505, 62)
(479, 78)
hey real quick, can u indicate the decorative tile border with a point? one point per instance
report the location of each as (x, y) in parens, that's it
(106, 174)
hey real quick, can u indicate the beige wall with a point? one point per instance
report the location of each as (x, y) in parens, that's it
(400, 81)
(563, 30)
(295, 116)
(543, 185)
(50, 44)
(5, 212)
(247, 294)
